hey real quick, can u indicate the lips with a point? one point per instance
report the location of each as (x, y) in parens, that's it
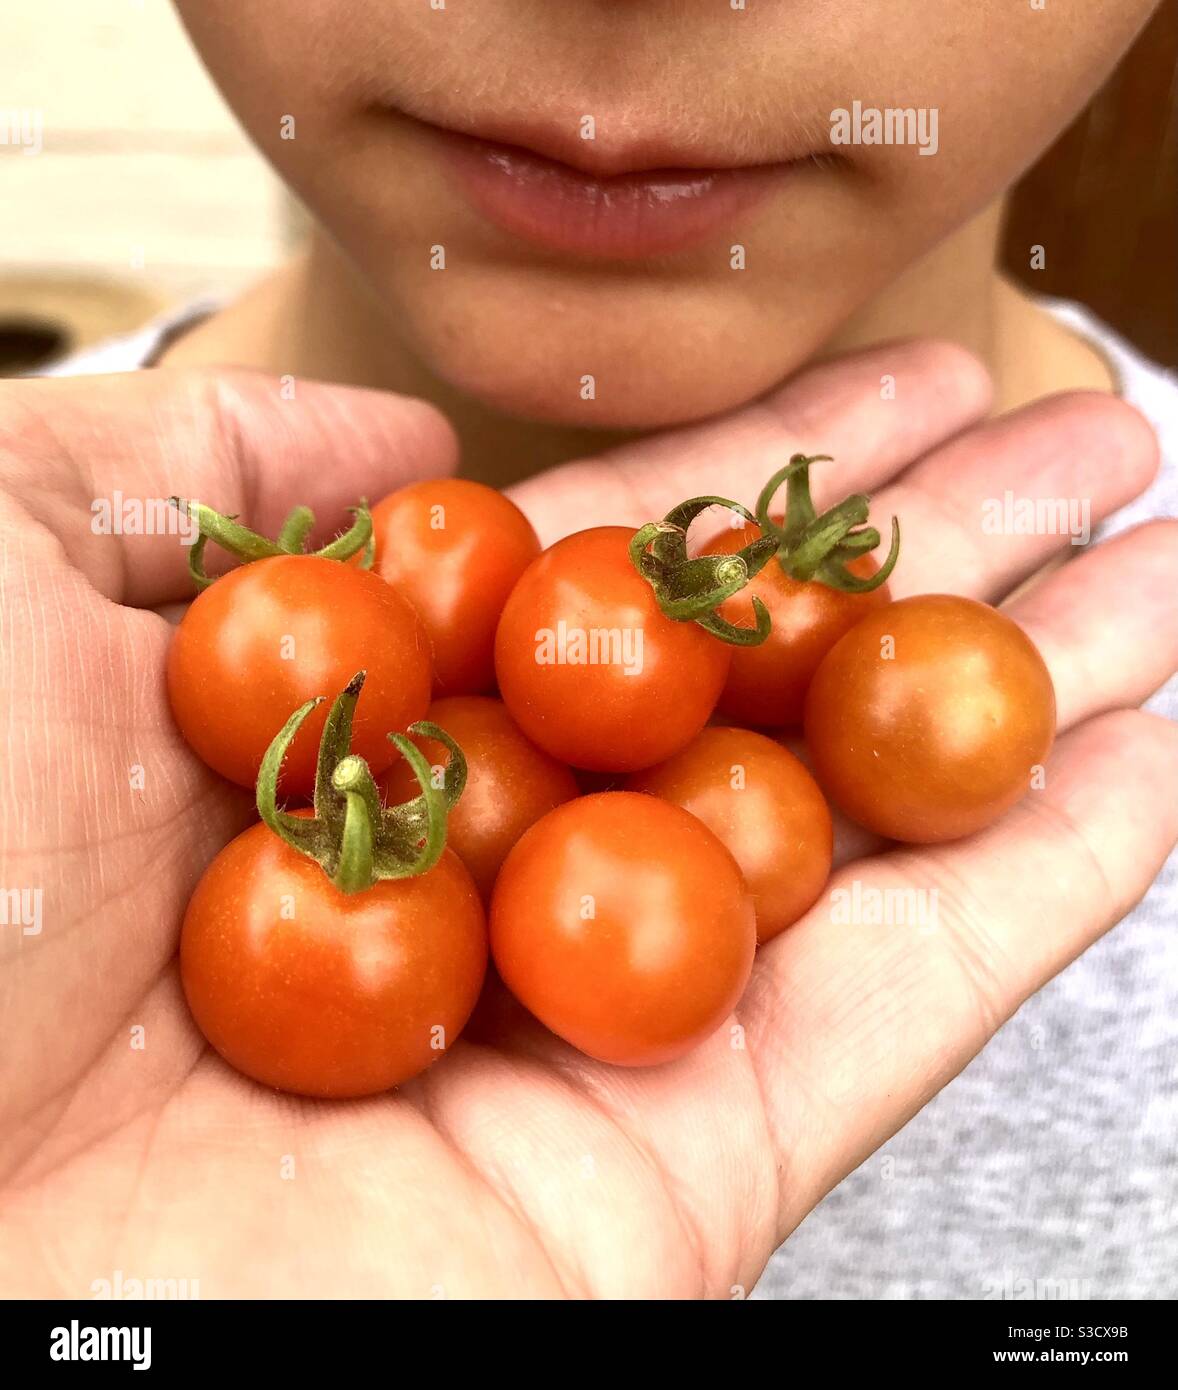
(614, 215)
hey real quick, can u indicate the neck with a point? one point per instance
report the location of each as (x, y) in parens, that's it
(315, 318)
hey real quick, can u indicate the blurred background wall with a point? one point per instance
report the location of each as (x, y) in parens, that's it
(1103, 201)
(145, 193)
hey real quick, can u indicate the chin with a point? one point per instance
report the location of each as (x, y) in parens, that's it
(658, 355)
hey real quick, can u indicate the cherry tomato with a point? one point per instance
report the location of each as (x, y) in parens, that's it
(767, 685)
(455, 550)
(625, 926)
(325, 993)
(510, 783)
(764, 806)
(926, 720)
(274, 633)
(590, 667)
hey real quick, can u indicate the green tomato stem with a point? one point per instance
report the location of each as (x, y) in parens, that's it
(692, 588)
(247, 546)
(354, 839)
(819, 548)
(295, 530)
(355, 868)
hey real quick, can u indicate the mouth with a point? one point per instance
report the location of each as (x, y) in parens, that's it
(620, 204)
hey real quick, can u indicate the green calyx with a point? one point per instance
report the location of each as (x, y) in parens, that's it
(351, 836)
(691, 589)
(247, 545)
(820, 547)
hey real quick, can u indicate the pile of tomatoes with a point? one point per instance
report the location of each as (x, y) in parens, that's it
(568, 760)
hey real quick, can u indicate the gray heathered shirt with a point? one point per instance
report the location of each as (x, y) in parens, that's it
(1048, 1167)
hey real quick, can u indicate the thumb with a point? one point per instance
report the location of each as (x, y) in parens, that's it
(87, 456)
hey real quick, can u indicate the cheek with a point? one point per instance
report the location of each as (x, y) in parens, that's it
(283, 66)
(994, 84)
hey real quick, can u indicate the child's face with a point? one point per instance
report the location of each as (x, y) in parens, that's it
(552, 276)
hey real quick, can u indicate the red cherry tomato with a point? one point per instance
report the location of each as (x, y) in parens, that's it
(764, 806)
(926, 720)
(590, 667)
(454, 549)
(510, 783)
(767, 684)
(274, 633)
(325, 993)
(625, 926)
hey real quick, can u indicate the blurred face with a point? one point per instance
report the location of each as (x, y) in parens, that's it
(632, 213)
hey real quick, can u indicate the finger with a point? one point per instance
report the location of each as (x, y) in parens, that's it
(986, 509)
(874, 412)
(1107, 624)
(855, 1026)
(239, 441)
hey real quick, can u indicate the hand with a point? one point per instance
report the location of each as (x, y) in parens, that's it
(517, 1167)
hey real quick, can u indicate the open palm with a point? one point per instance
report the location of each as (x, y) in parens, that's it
(517, 1167)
